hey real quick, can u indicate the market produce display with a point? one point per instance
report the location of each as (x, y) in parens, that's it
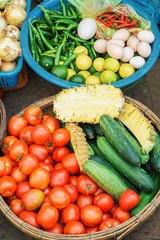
(11, 20)
(75, 177)
(89, 49)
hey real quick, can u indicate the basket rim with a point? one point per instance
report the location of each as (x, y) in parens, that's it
(3, 122)
(116, 232)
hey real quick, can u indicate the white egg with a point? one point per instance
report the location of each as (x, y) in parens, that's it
(128, 54)
(87, 28)
(133, 43)
(100, 46)
(115, 51)
(137, 62)
(116, 41)
(121, 34)
(146, 36)
(144, 49)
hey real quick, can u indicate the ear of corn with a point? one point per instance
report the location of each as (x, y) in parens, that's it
(87, 104)
(79, 143)
(140, 126)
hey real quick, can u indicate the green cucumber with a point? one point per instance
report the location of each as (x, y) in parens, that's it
(96, 150)
(118, 140)
(145, 198)
(144, 157)
(88, 129)
(155, 155)
(98, 130)
(134, 174)
(107, 165)
(105, 178)
(148, 168)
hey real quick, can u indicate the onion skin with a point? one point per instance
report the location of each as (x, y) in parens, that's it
(13, 32)
(8, 66)
(3, 27)
(21, 3)
(15, 15)
(10, 49)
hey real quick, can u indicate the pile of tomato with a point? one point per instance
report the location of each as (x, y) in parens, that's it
(41, 181)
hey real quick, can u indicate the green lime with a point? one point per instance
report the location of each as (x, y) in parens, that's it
(118, 76)
(75, 67)
(92, 69)
(111, 64)
(77, 78)
(60, 71)
(46, 62)
(108, 76)
(97, 74)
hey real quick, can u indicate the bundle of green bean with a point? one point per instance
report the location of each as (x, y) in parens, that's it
(54, 38)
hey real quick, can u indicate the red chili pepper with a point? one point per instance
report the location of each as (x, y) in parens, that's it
(122, 16)
(127, 19)
(109, 23)
(106, 24)
(118, 21)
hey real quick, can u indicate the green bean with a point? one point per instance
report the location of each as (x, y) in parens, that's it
(89, 49)
(45, 41)
(63, 8)
(31, 40)
(38, 37)
(62, 17)
(56, 37)
(70, 59)
(53, 29)
(58, 53)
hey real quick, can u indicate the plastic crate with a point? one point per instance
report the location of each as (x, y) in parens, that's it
(54, 5)
(10, 79)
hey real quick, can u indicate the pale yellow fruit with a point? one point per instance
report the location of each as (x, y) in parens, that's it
(126, 70)
(92, 80)
(108, 76)
(98, 64)
(81, 49)
(85, 74)
(70, 74)
(83, 62)
(111, 64)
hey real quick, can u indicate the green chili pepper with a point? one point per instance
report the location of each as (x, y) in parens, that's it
(39, 50)
(53, 29)
(58, 53)
(72, 47)
(60, 28)
(65, 21)
(56, 37)
(66, 54)
(45, 41)
(31, 40)
(48, 34)
(70, 59)
(39, 21)
(37, 55)
(48, 19)
(45, 27)
(63, 8)
(50, 12)
(89, 49)
(49, 52)
(74, 38)
(78, 44)
(69, 12)
(38, 37)
(72, 11)
(62, 17)
(71, 66)
(94, 52)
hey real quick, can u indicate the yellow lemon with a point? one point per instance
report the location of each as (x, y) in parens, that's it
(98, 64)
(92, 80)
(111, 64)
(85, 73)
(81, 49)
(108, 76)
(83, 62)
(126, 70)
(70, 74)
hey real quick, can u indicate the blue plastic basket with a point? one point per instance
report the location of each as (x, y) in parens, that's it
(10, 79)
(53, 5)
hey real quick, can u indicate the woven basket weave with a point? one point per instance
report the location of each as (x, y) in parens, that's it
(114, 233)
(3, 123)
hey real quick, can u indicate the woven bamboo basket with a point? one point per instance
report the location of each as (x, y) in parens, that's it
(114, 233)
(3, 122)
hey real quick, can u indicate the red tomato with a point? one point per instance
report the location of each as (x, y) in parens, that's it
(70, 163)
(33, 115)
(91, 215)
(46, 204)
(57, 229)
(46, 166)
(49, 160)
(32, 199)
(99, 190)
(28, 163)
(22, 188)
(121, 215)
(59, 197)
(7, 143)
(45, 117)
(73, 180)
(104, 201)
(59, 177)
(16, 206)
(60, 137)
(5, 165)
(16, 124)
(47, 217)
(84, 200)
(74, 228)
(59, 153)
(10, 199)
(106, 216)
(114, 207)
(108, 223)
(52, 123)
(86, 185)
(73, 192)
(40, 134)
(47, 191)
(18, 149)
(30, 218)
(39, 179)
(129, 199)
(39, 150)
(14, 163)
(25, 134)
(50, 146)
(7, 186)
(58, 166)
(70, 213)
(92, 229)
(18, 175)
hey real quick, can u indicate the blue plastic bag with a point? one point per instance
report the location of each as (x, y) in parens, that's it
(152, 7)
